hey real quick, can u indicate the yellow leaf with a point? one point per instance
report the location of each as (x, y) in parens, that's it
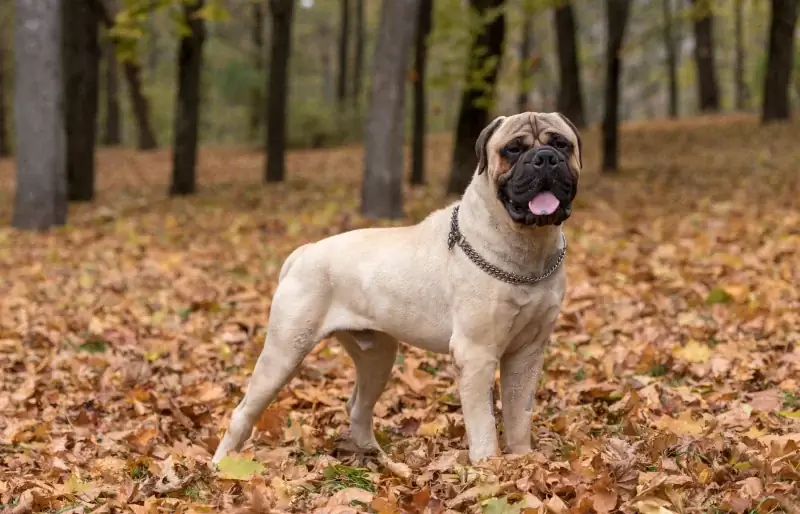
(694, 352)
(653, 506)
(683, 425)
(793, 414)
(74, 485)
(238, 468)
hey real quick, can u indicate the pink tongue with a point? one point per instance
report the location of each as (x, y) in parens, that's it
(544, 203)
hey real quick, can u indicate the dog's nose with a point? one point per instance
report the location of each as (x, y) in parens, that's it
(545, 159)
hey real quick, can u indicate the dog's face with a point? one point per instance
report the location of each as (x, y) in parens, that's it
(533, 161)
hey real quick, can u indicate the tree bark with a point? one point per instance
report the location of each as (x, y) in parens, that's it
(570, 97)
(742, 95)
(133, 77)
(81, 71)
(780, 61)
(187, 112)
(344, 39)
(424, 22)
(5, 144)
(140, 105)
(617, 12)
(256, 100)
(358, 60)
(672, 58)
(113, 130)
(474, 115)
(41, 196)
(525, 46)
(708, 90)
(382, 187)
(278, 91)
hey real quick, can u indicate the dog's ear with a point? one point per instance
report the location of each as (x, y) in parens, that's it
(483, 138)
(577, 136)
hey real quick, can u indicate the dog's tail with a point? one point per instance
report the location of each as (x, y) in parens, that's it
(287, 264)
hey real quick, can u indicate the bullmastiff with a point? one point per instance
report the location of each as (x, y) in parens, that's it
(481, 279)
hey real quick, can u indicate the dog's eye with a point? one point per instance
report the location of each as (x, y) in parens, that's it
(512, 150)
(561, 144)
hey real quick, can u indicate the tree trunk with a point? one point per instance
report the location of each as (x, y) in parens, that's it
(358, 61)
(708, 91)
(424, 22)
(525, 47)
(344, 39)
(277, 89)
(742, 95)
(256, 100)
(133, 77)
(779, 61)
(382, 188)
(570, 98)
(187, 112)
(113, 131)
(141, 108)
(5, 144)
(617, 12)
(41, 197)
(672, 58)
(81, 72)
(474, 114)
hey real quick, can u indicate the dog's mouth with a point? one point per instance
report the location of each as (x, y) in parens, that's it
(543, 208)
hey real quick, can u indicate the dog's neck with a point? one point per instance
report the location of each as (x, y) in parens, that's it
(485, 224)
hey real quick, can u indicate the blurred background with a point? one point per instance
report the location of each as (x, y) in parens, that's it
(149, 74)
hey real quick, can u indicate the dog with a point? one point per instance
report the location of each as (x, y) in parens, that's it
(481, 279)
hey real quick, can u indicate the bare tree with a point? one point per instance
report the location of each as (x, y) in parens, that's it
(256, 101)
(742, 95)
(113, 123)
(187, 101)
(672, 58)
(5, 144)
(420, 63)
(277, 89)
(141, 106)
(344, 39)
(570, 97)
(474, 113)
(708, 90)
(525, 47)
(358, 60)
(133, 77)
(112, 134)
(41, 197)
(81, 71)
(780, 61)
(617, 13)
(382, 189)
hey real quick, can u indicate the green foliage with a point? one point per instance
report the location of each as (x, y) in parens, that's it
(339, 476)
(129, 22)
(456, 28)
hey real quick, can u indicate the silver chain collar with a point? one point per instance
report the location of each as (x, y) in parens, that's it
(455, 237)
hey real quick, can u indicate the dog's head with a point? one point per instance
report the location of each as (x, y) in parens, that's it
(533, 162)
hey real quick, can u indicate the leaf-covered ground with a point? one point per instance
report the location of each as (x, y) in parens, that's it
(671, 384)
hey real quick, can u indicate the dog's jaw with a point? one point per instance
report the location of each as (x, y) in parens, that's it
(521, 184)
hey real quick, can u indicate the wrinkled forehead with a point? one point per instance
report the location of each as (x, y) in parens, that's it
(532, 127)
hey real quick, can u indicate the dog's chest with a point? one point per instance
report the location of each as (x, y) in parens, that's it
(527, 316)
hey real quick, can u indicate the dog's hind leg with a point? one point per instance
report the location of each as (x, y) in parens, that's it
(373, 354)
(291, 335)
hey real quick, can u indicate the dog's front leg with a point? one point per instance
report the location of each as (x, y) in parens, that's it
(519, 376)
(476, 365)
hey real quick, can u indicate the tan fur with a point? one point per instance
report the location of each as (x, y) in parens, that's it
(373, 287)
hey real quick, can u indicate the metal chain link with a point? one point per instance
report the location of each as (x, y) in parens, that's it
(455, 237)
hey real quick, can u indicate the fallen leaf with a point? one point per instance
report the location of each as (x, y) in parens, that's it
(238, 468)
(694, 352)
